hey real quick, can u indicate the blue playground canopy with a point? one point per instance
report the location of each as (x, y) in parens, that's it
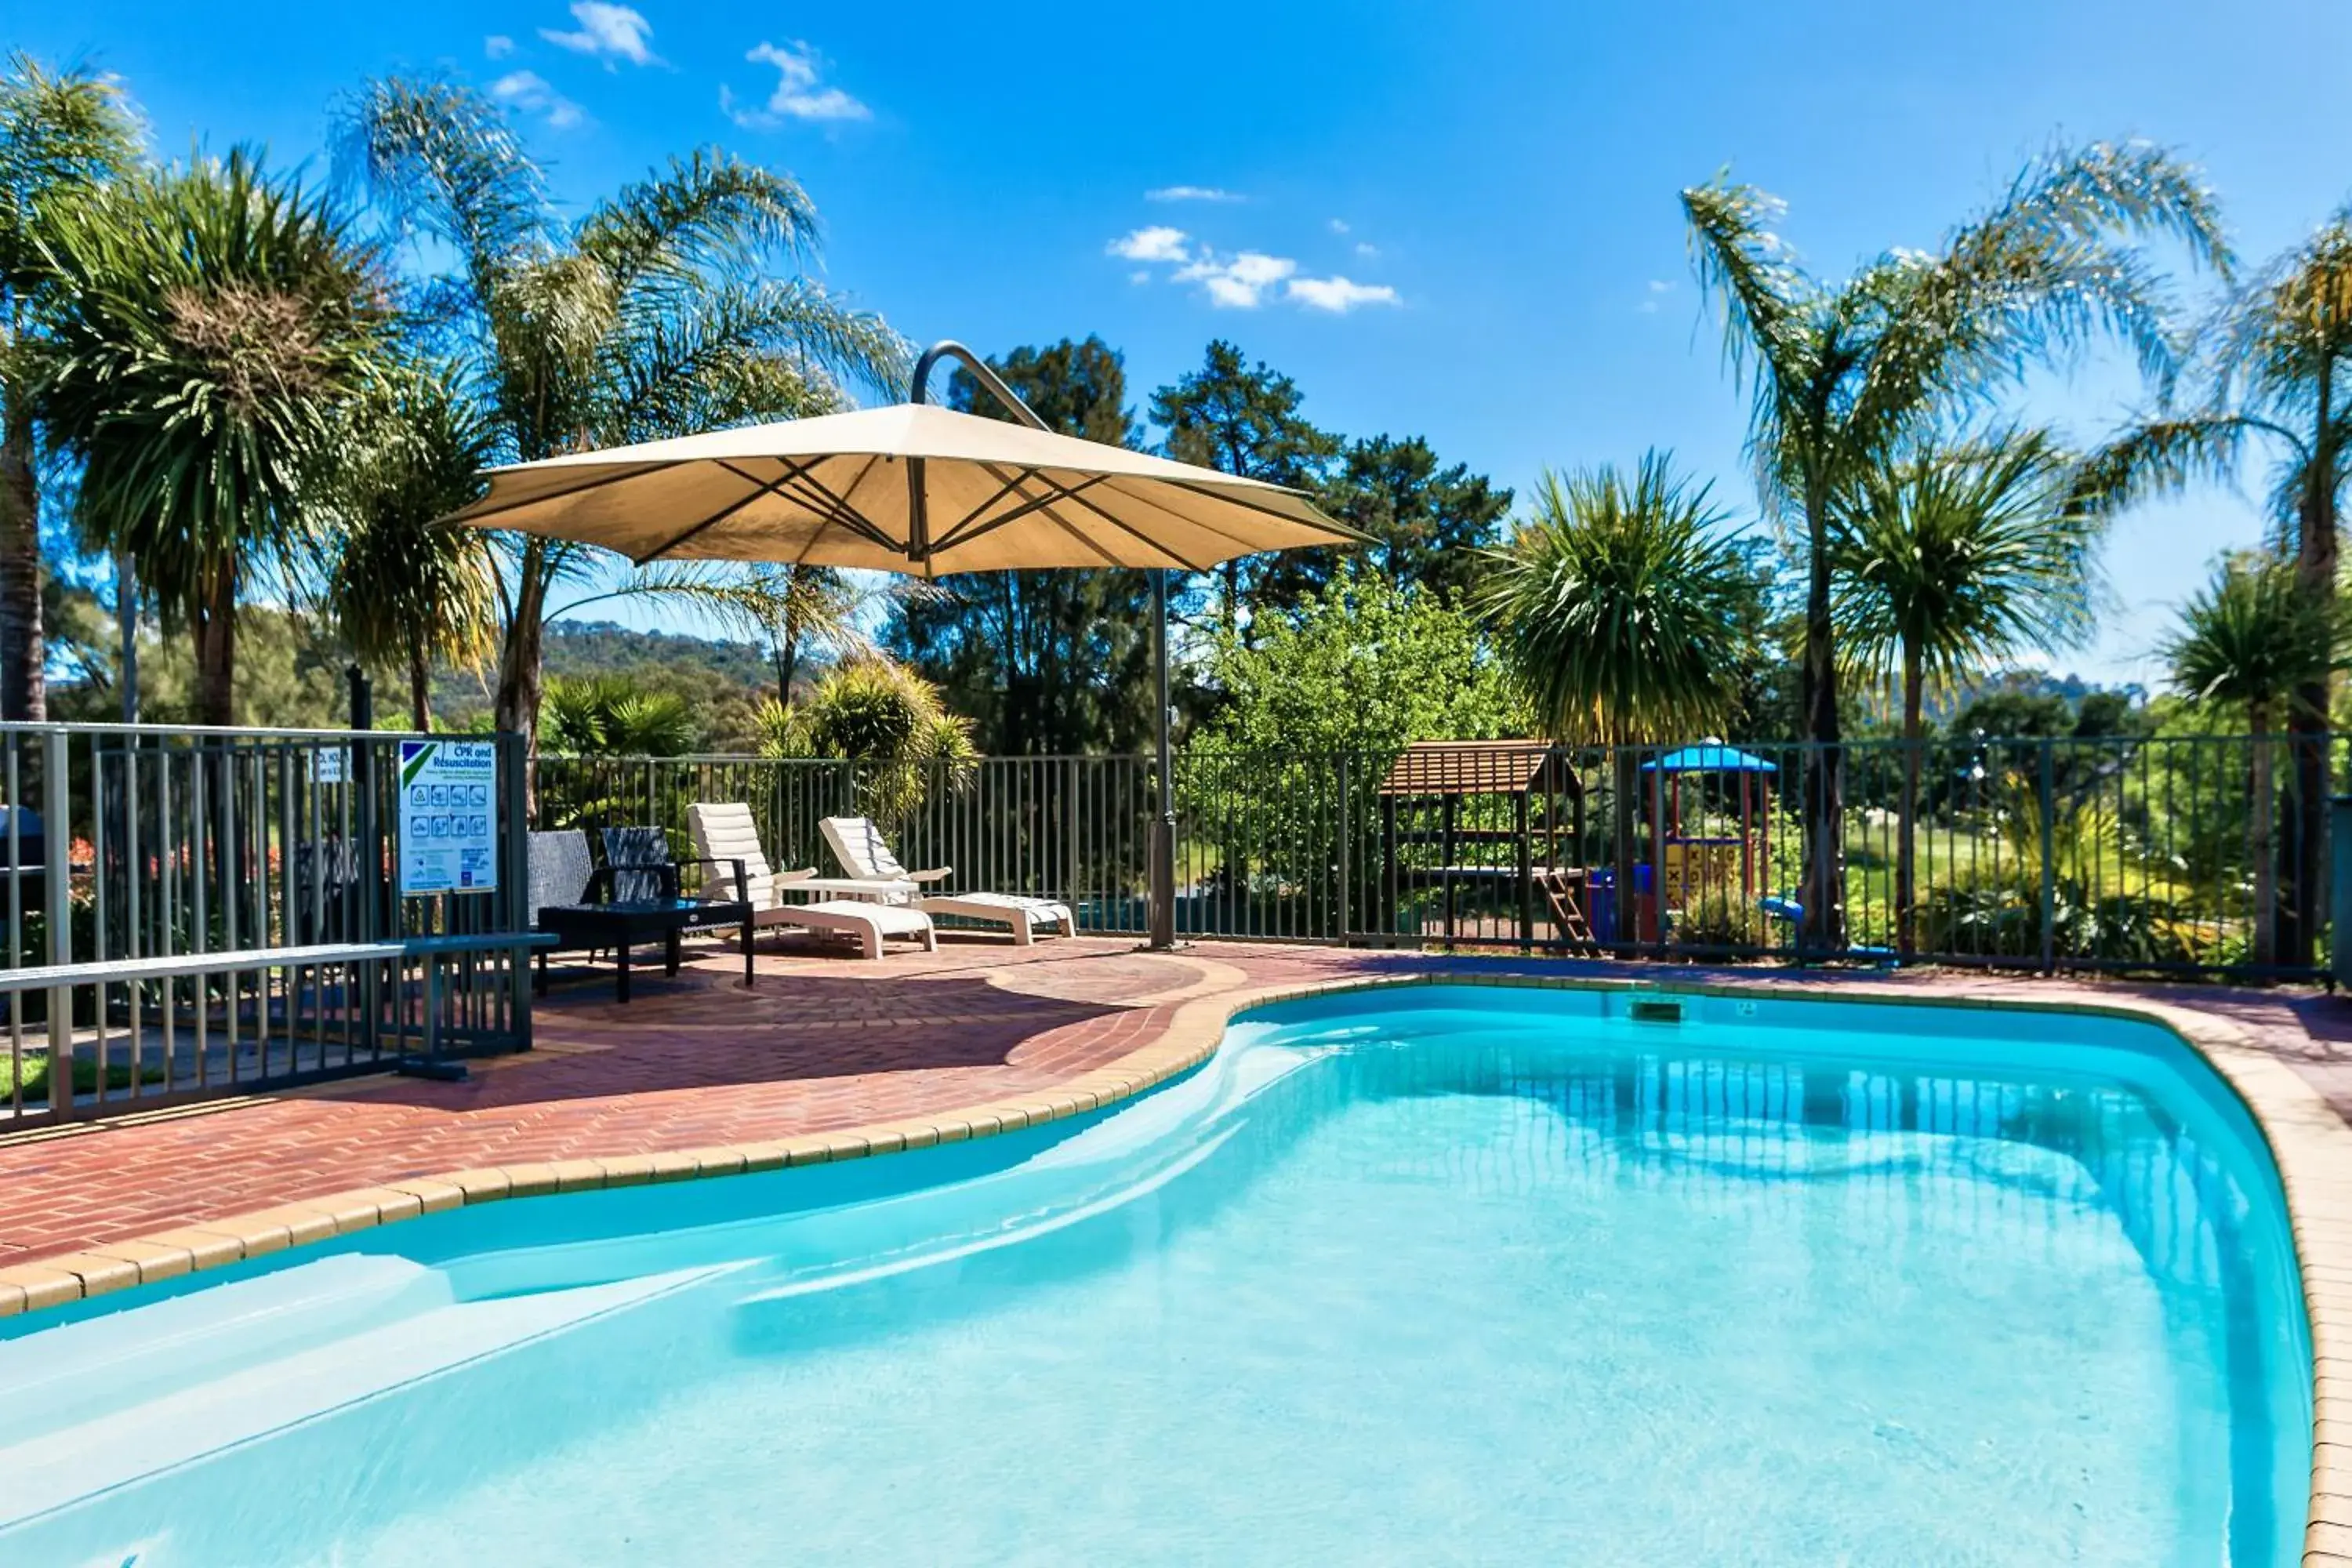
(1710, 760)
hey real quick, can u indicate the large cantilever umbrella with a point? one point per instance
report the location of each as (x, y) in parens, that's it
(916, 488)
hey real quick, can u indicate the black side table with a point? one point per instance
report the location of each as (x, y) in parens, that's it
(620, 925)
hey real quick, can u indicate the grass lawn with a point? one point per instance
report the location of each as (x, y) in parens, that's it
(85, 1074)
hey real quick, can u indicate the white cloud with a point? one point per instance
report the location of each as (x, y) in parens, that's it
(1190, 194)
(1157, 243)
(497, 45)
(610, 32)
(1338, 226)
(1236, 282)
(527, 92)
(1138, 276)
(1337, 295)
(1367, 249)
(1658, 288)
(798, 94)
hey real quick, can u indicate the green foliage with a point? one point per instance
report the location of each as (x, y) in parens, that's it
(1721, 918)
(2252, 636)
(61, 134)
(654, 314)
(209, 321)
(2109, 898)
(1366, 666)
(609, 715)
(1956, 555)
(403, 591)
(290, 671)
(1618, 608)
(1430, 525)
(1243, 419)
(883, 716)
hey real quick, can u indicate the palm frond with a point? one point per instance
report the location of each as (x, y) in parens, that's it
(59, 131)
(708, 212)
(2052, 268)
(1963, 553)
(1768, 303)
(1616, 606)
(2158, 456)
(442, 160)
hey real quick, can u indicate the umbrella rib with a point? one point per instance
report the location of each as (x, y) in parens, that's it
(834, 510)
(471, 515)
(1005, 486)
(1340, 533)
(1066, 526)
(760, 487)
(1137, 534)
(967, 530)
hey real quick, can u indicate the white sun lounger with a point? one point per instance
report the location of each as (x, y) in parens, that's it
(865, 854)
(726, 834)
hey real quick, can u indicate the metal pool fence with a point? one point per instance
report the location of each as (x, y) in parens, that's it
(2168, 854)
(193, 911)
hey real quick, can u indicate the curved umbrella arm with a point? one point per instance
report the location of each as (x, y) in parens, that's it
(947, 348)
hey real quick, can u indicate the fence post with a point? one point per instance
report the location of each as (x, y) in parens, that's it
(1346, 849)
(514, 878)
(1070, 874)
(57, 852)
(2340, 839)
(2049, 861)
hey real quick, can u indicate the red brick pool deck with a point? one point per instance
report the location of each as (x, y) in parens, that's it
(822, 1043)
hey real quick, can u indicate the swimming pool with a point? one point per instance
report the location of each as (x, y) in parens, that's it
(1447, 1272)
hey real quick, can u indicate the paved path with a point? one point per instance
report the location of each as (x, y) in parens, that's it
(820, 1043)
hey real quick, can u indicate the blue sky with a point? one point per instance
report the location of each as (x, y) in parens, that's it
(1453, 221)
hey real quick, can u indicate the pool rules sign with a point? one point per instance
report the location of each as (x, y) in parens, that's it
(447, 842)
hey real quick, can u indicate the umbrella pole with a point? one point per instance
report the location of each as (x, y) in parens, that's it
(1163, 828)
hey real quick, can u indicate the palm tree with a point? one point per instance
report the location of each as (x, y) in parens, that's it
(1618, 608)
(209, 324)
(651, 315)
(1840, 373)
(2265, 371)
(402, 590)
(61, 133)
(878, 713)
(1954, 556)
(611, 715)
(2257, 636)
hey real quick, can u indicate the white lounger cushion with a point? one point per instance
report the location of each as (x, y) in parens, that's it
(1023, 916)
(868, 922)
(864, 853)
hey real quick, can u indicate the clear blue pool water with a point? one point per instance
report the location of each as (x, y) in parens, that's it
(1450, 1274)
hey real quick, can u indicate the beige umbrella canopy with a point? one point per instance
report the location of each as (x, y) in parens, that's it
(919, 490)
(910, 487)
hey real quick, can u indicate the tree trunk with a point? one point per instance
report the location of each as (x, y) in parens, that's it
(2262, 849)
(214, 622)
(420, 685)
(515, 710)
(1823, 928)
(24, 654)
(2303, 854)
(1908, 817)
(1623, 789)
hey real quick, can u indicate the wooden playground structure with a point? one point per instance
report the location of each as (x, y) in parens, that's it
(1490, 841)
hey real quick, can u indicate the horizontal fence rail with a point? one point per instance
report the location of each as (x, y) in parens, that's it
(193, 911)
(2183, 855)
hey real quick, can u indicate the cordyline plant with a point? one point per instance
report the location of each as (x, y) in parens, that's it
(208, 326)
